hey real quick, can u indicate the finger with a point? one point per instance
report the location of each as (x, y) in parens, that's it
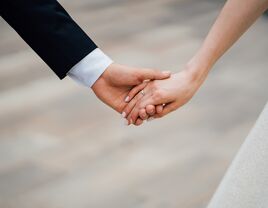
(134, 113)
(159, 109)
(149, 101)
(157, 98)
(134, 91)
(133, 116)
(150, 110)
(147, 112)
(139, 122)
(167, 109)
(151, 74)
(131, 105)
(143, 115)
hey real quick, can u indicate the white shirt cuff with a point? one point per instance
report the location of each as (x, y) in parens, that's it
(90, 68)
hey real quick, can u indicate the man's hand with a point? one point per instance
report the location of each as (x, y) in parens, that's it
(116, 82)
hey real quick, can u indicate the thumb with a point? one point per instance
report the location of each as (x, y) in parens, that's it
(151, 74)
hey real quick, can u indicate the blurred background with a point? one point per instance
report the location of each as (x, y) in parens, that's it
(60, 147)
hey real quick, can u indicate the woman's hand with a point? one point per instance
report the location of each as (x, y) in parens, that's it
(167, 95)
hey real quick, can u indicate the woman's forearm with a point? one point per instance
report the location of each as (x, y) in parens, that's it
(235, 18)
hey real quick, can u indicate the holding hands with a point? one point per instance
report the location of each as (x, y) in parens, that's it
(157, 98)
(143, 94)
(116, 82)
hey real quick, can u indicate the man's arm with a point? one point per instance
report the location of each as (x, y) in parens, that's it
(62, 44)
(56, 38)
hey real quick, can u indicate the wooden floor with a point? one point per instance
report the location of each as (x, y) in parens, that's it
(61, 148)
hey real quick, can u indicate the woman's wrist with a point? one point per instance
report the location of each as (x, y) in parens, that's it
(196, 71)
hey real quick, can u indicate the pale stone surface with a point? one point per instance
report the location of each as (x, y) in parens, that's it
(60, 147)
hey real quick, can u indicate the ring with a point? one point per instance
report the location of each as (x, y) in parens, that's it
(142, 92)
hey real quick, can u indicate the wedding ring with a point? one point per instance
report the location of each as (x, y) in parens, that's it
(142, 92)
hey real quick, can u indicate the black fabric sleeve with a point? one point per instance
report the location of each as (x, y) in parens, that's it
(49, 31)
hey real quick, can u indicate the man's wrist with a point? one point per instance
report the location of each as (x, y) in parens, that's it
(105, 77)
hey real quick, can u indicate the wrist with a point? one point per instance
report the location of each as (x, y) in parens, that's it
(104, 78)
(198, 69)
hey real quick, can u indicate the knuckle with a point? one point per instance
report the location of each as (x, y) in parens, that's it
(143, 112)
(150, 109)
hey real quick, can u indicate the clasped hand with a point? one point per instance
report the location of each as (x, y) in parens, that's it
(143, 94)
(157, 98)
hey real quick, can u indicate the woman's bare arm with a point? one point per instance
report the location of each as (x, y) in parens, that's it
(234, 20)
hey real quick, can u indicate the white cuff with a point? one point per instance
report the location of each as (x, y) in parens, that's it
(90, 68)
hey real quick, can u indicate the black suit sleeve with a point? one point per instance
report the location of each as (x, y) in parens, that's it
(49, 30)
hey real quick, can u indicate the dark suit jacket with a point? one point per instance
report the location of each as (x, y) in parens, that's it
(50, 32)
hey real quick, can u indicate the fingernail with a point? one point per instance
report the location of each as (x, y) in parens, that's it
(126, 122)
(166, 72)
(150, 119)
(127, 99)
(131, 121)
(124, 115)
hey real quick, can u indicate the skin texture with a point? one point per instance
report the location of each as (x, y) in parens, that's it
(234, 20)
(116, 82)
